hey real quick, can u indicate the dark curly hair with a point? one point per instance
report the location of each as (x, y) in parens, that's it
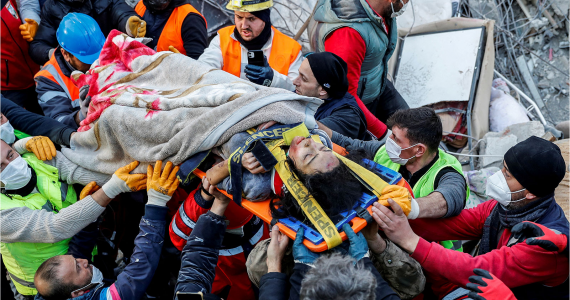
(336, 191)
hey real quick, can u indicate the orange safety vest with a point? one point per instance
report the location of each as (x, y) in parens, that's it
(172, 33)
(284, 51)
(52, 71)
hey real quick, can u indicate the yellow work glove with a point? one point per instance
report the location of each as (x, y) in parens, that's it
(136, 26)
(172, 49)
(28, 30)
(123, 182)
(399, 194)
(160, 188)
(42, 147)
(89, 189)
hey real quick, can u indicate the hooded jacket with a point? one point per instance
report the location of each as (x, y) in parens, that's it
(109, 14)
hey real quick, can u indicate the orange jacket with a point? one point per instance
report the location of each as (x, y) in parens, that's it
(284, 51)
(172, 33)
(52, 71)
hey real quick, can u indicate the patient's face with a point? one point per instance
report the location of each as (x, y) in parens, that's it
(311, 157)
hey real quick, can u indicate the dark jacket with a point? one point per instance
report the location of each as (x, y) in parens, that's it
(200, 255)
(274, 285)
(132, 283)
(194, 31)
(17, 68)
(343, 116)
(34, 124)
(52, 97)
(109, 14)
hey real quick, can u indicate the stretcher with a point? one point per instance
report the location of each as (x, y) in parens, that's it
(358, 217)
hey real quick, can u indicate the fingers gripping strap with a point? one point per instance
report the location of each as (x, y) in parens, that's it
(276, 132)
(308, 204)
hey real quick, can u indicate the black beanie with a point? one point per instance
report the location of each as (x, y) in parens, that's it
(330, 71)
(264, 15)
(537, 165)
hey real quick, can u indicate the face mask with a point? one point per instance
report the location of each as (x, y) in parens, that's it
(401, 11)
(498, 189)
(95, 280)
(16, 174)
(7, 133)
(394, 152)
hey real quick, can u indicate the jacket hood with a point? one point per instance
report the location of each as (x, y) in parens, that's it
(348, 11)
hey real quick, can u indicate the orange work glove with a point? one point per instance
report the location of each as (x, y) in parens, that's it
(123, 182)
(28, 30)
(42, 147)
(172, 49)
(89, 189)
(399, 194)
(161, 186)
(136, 26)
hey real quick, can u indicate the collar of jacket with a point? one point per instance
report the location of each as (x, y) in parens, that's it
(63, 65)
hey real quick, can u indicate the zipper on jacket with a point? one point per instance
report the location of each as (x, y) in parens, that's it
(7, 72)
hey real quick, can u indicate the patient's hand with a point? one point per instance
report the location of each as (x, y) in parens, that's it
(251, 163)
(266, 125)
(218, 172)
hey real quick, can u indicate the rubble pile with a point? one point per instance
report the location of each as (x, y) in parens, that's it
(531, 48)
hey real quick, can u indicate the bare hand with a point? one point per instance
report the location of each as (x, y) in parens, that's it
(276, 250)
(266, 125)
(251, 164)
(206, 186)
(221, 201)
(395, 225)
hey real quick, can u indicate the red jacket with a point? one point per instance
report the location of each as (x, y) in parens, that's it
(349, 45)
(516, 266)
(17, 67)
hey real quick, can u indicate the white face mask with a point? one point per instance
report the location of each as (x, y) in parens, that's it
(95, 280)
(7, 133)
(394, 152)
(16, 174)
(401, 11)
(498, 189)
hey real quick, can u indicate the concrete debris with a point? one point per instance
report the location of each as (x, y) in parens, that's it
(477, 180)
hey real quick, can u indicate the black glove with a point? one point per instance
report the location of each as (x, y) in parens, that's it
(260, 75)
(84, 101)
(485, 286)
(537, 234)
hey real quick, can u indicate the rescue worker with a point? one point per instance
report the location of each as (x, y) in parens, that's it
(174, 23)
(17, 68)
(364, 34)
(253, 31)
(436, 178)
(71, 276)
(323, 75)
(523, 231)
(81, 41)
(38, 209)
(109, 14)
(244, 231)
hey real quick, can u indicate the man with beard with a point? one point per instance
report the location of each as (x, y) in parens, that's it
(176, 24)
(364, 35)
(109, 14)
(253, 31)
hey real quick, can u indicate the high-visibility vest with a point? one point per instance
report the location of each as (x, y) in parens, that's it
(172, 33)
(23, 259)
(284, 51)
(52, 71)
(426, 183)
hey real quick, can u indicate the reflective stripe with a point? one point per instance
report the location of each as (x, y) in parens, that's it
(75, 103)
(257, 236)
(51, 69)
(47, 96)
(230, 252)
(178, 231)
(185, 217)
(21, 281)
(459, 292)
(60, 119)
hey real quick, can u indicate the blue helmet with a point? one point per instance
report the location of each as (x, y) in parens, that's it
(80, 35)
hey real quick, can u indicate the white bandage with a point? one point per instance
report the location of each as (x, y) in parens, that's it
(415, 212)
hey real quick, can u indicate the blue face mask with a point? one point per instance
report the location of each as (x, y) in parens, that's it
(7, 133)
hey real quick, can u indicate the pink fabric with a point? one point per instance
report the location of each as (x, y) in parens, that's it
(120, 55)
(114, 293)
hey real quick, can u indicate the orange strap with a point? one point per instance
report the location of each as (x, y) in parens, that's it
(172, 32)
(45, 72)
(284, 51)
